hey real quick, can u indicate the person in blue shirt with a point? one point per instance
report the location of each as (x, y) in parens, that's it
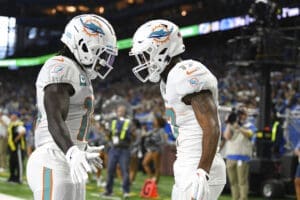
(297, 176)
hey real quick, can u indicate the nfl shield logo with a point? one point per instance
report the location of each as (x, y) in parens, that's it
(82, 80)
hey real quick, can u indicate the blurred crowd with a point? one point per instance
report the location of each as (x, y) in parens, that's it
(143, 101)
(237, 86)
(144, 107)
(244, 87)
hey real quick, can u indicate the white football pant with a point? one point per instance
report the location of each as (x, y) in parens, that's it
(182, 189)
(48, 175)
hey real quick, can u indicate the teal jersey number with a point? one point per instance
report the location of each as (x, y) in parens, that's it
(171, 116)
(85, 122)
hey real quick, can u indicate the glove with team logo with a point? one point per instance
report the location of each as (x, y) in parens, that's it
(97, 162)
(79, 163)
(200, 187)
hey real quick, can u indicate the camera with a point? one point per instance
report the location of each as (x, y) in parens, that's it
(234, 116)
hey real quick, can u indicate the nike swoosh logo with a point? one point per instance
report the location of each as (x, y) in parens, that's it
(59, 59)
(189, 72)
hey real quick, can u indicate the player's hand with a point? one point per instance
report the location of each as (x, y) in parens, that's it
(97, 162)
(200, 187)
(78, 162)
(94, 149)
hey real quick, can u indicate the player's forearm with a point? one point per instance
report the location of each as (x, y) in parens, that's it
(210, 140)
(205, 111)
(60, 134)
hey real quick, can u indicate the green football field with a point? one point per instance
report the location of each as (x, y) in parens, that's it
(93, 192)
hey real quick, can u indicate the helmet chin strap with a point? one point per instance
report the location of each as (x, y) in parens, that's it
(91, 74)
(154, 77)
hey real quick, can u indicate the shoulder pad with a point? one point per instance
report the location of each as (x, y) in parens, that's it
(61, 69)
(191, 76)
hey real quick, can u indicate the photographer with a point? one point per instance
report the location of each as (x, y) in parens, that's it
(238, 134)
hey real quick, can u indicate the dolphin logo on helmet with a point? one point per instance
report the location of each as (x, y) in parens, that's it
(160, 33)
(92, 27)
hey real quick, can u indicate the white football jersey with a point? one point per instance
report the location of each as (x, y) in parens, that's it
(60, 69)
(186, 77)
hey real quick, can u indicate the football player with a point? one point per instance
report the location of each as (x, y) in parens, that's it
(58, 167)
(190, 93)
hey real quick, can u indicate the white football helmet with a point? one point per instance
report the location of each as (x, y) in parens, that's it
(155, 43)
(93, 42)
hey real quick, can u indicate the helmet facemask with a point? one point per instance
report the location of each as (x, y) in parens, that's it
(103, 61)
(150, 67)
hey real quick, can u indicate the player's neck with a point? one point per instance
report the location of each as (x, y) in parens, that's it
(174, 61)
(67, 53)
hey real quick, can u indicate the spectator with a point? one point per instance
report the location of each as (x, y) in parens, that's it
(29, 126)
(98, 138)
(238, 134)
(4, 121)
(153, 142)
(119, 153)
(135, 150)
(278, 142)
(297, 177)
(16, 143)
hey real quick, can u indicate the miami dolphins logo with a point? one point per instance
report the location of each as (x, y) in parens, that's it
(160, 33)
(57, 69)
(92, 27)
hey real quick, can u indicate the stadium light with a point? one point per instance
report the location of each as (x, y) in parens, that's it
(187, 31)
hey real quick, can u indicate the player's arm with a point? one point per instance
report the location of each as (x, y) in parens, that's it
(205, 111)
(56, 101)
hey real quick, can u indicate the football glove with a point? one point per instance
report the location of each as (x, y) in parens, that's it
(78, 162)
(94, 149)
(200, 187)
(97, 162)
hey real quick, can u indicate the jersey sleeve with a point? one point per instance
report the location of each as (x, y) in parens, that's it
(195, 78)
(60, 71)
